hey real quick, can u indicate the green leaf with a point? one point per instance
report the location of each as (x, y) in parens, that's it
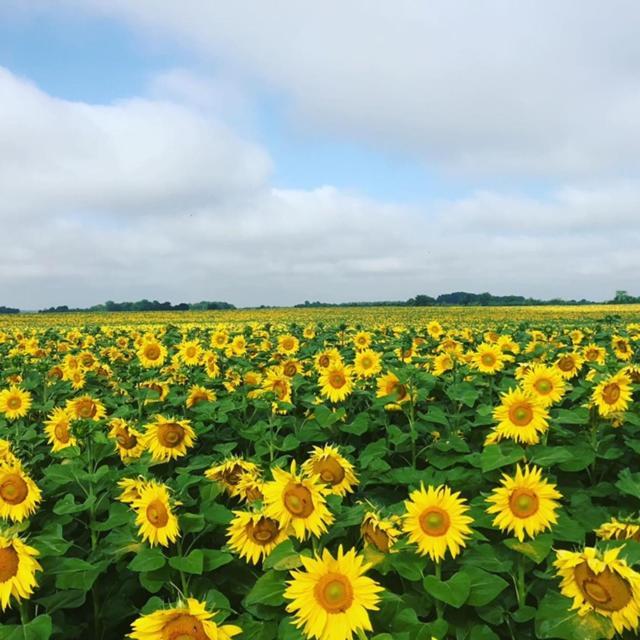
(147, 559)
(69, 505)
(554, 619)
(463, 392)
(482, 632)
(629, 483)
(454, 591)
(39, 628)
(192, 563)
(496, 456)
(268, 590)
(191, 522)
(214, 558)
(216, 513)
(536, 549)
(74, 573)
(485, 586)
(485, 557)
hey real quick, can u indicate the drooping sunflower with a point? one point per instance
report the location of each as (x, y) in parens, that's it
(7, 456)
(379, 532)
(521, 416)
(442, 363)
(19, 494)
(616, 529)
(58, 430)
(129, 441)
(14, 402)
(156, 521)
(299, 501)
(188, 620)
(367, 363)
(85, 408)
(230, 471)
(436, 521)
(488, 358)
(18, 566)
(152, 353)
(131, 489)
(249, 487)
(155, 390)
(330, 599)
(336, 382)
(276, 382)
(390, 385)
(253, 536)
(168, 438)
(525, 504)
(544, 382)
(621, 348)
(612, 395)
(197, 394)
(332, 468)
(603, 583)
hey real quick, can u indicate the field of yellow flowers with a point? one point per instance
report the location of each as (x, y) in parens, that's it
(393, 474)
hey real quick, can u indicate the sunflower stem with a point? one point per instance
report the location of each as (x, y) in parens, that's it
(24, 613)
(184, 585)
(521, 590)
(439, 607)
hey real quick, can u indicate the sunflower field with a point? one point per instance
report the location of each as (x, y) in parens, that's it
(391, 474)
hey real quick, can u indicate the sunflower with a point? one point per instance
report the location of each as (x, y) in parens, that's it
(333, 469)
(168, 438)
(390, 385)
(230, 471)
(85, 408)
(521, 417)
(435, 330)
(379, 532)
(612, 395)
(219, 339)
(362, 340)
(7, 458)
(188, 620)
(593, 353)
(152, 353)
(435, 520)
(367, 363)
(129, 441)
(14, 402)
(156, 522)
(190, 353)
(238, 346)
(197, 394)
(296, 500)
(288, 345)
(326, 358)
(249, 487)
(621, 348)
(524, 504)
(569, 364)
(619, 530)
(488, 358)
(276, 382)
(603, 583)
(155, 390)
(18, 566)
(253, 536)
(58, 430)
(131, 489)
(19, 494)
(336, 382)
(443, 362)
(544, 382)
(330, 599)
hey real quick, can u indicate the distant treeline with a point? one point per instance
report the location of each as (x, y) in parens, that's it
(145, 305)
(9, 310)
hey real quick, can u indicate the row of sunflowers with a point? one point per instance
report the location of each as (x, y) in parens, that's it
(285, 479)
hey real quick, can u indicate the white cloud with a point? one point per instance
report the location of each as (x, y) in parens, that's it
(480, 88)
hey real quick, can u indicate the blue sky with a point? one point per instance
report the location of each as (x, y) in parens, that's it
(424, 152)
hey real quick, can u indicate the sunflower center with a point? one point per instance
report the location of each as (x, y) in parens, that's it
(622, 346)
(611, 393)
(170, 434)
(264, 531)
(524, 503)
(543, 386)
(14, 402)
(152, 351)
(591, 355)
(199, 396)
(298, 501)
(86, 408)
(329, 470)
(157, 513)
(521, 414)
(191, 352)
(280, 389)
(400, 390)
(376, 537)
(366, 362)
(606, 590)
(435, 521)
(337, 380)
(13, 489)
(488, 359)
(62, 432)
(290, 369)
(287, 344)
(324, 361)
(334, 593)
(566, 363)
(184, 627)
(125, 439)
(232, 475)
(9, 562)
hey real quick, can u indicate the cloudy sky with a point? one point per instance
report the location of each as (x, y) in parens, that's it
(272, 152)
